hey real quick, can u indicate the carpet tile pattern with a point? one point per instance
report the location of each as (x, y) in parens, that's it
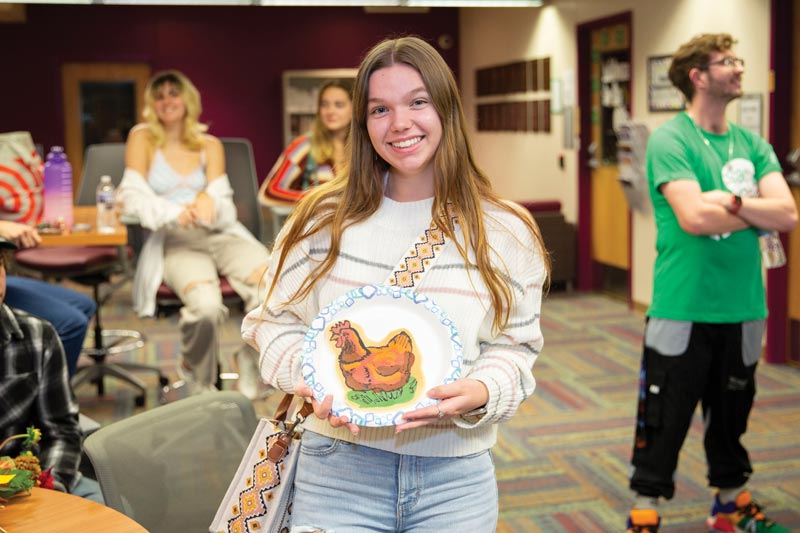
(563, 461)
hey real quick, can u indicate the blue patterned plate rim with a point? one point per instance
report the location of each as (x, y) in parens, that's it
(315, 345)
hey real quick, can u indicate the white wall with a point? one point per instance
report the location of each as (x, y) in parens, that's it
(522, 165)
(525, 165)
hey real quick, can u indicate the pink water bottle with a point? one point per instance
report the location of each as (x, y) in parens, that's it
(58, 189)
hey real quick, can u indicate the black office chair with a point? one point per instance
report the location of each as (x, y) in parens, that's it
(94, 266)
(241, 169)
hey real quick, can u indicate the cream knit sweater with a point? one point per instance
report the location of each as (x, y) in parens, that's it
(369, 252)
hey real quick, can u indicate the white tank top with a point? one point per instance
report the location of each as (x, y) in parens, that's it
(169, 184)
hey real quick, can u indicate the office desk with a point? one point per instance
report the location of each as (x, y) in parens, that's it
(51, 511)
(83, 214)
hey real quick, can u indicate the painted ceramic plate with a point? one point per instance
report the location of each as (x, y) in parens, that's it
(378, 349)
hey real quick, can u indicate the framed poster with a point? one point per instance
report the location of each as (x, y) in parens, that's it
(661, 95)
(750, 112)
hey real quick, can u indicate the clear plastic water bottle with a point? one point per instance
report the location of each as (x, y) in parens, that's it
(58, 189)
(106, 221)
(772, 253)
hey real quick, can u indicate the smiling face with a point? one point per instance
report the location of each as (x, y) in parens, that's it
(404, 128)
(724, 82)
(335, 109)
(168, 104)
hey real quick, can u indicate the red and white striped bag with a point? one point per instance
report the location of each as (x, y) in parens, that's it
(21, 179)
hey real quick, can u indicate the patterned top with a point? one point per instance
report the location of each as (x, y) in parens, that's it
(34, 390)
(294, 173)
(370, 252)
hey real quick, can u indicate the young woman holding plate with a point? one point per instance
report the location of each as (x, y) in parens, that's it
(462, 265)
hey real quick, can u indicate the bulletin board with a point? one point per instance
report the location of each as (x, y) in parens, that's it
(661, 94)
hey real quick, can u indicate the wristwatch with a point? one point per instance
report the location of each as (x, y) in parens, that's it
(736, 204)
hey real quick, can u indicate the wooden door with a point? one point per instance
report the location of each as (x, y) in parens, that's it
(610, 84)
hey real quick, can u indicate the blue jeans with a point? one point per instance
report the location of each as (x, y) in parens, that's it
(89, 489)
(69, 311)
(348, 488)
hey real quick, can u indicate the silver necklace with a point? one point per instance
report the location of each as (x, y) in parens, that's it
(708, 143)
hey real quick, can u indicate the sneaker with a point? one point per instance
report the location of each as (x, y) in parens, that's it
(249, 374)
(741, 516)
(643, 521)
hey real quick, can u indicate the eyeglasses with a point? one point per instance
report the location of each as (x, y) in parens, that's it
(726, 62)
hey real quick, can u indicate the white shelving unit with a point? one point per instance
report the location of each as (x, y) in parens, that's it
(300, 91)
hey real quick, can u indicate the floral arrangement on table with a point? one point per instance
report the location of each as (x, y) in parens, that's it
(19, 474)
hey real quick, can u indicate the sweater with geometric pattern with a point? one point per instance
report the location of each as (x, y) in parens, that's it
(370, 251)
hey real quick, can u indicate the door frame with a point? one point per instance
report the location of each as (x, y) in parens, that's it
(780, 97)
(75, 73)
(588, 278)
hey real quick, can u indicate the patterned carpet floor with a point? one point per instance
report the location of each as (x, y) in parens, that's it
(563, 460)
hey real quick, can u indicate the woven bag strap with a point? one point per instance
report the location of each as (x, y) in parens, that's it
(421, 256)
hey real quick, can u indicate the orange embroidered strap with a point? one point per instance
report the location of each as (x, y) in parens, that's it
(421, 255)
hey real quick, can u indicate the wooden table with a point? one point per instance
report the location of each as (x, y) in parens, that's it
(83, 214)
(51, 511)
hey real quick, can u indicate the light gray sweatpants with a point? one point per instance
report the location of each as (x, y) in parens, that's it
(193, 261)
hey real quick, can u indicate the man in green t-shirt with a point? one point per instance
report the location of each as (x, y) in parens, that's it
(716, 188)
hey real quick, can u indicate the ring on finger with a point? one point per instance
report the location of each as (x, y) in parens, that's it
(439, 409)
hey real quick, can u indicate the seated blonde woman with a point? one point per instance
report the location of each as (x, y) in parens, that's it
(175, 184)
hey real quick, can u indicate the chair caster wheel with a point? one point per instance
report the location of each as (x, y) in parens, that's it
(163, 381)
(139, 401)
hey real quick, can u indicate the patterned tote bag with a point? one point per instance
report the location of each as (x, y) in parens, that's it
(259, 497)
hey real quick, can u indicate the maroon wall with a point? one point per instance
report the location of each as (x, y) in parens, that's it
(235, 56)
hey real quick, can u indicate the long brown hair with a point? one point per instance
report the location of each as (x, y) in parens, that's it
(357, 190)
(321, 138)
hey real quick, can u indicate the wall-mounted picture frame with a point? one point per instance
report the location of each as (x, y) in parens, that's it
(750, 112)
(661, 94)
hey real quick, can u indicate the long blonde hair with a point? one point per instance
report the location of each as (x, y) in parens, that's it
(193, 129)
(357, 190)
(321, 139)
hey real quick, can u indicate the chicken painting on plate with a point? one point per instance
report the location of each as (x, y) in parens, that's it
(379, 375)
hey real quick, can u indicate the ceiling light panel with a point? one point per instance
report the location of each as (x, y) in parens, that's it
(404, 3)
(300, 3)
